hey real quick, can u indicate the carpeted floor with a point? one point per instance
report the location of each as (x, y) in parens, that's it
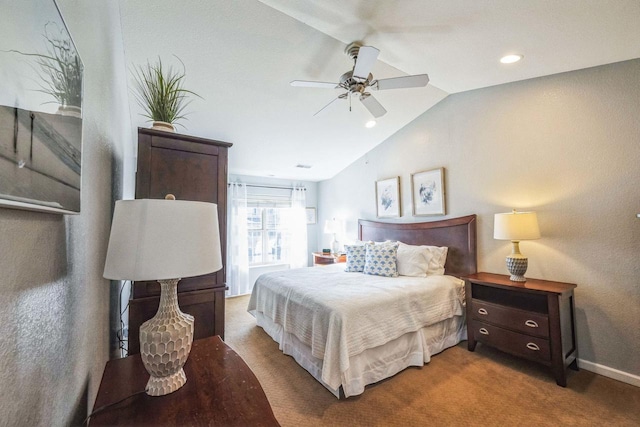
(484, 388)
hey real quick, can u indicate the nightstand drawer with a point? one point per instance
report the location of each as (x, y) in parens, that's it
(529, 322)
(512, 342)
(323, 261)
(321, 258)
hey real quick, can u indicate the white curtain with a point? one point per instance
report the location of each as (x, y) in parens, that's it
(237, 241)
(298, 256)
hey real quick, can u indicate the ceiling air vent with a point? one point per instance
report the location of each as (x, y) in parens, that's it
(304, 166)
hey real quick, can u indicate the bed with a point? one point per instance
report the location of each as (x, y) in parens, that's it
(349, 330)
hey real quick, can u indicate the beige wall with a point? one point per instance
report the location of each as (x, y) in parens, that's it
(566, 146)
(54, 303)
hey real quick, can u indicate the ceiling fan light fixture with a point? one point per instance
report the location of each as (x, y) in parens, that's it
(370, 124)
(510, 59)
(358, 80)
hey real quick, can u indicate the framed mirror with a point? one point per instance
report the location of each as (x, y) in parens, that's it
(40, 109)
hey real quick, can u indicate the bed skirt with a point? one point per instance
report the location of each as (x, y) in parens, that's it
(375, 364)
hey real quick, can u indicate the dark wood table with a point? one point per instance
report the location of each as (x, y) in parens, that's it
(320, 258)
(533, 319)
(221, 390)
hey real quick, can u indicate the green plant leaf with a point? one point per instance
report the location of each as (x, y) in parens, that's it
(59, 69)
(160, 92)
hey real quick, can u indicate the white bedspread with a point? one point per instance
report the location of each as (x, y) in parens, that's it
(339, 314)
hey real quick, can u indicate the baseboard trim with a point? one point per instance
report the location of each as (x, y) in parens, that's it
(608, 372)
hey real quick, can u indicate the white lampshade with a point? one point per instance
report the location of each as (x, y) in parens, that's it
(516, 226)
(331, 226)
(163, 239)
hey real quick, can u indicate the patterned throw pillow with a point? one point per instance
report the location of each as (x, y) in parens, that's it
(355, 257)
(380, 260)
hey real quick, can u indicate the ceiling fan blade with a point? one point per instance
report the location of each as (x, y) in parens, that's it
(403, 82)
(322, 85)
(374, 107)
(332, 101)
(367, 56)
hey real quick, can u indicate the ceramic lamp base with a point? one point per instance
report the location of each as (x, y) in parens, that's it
(335, 247)
(165, 342)
(159, 386)
(517, 267)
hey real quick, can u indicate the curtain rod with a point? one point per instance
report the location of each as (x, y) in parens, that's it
(269, 186)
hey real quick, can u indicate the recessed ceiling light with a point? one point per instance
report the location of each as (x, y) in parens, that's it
(510, 59)
(370, 123)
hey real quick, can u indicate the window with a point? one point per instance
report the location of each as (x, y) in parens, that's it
(267, 230)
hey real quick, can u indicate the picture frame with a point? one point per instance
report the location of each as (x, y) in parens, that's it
(428, 193)
(312, 216)
(40, 113)
(388, 204)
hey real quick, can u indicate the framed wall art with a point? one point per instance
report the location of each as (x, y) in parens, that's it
(427, 192)
(311, 214)
(40, 110)
(388, 198)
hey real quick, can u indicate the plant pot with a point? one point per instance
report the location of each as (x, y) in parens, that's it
(70, 110)
(167, 127)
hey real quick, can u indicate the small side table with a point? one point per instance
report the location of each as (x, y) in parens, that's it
(221, 390)
(320, 258)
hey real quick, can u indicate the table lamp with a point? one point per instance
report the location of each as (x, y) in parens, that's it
(332, 227)
(164, 240)
(516, 226)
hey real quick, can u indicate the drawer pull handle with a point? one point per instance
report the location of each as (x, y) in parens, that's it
(531, 324)
(483, 331)
(483, 311)
(532, 346)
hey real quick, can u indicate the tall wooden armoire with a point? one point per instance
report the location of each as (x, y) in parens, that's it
(190, 168)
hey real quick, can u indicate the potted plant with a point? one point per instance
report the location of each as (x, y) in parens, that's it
(60, 70)
(160, 92)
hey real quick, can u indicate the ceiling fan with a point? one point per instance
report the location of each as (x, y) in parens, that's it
(357, 81)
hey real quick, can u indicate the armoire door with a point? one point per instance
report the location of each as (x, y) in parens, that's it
(190, 168)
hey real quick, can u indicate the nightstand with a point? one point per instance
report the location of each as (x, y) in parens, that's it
(320, 258)
(533, 319)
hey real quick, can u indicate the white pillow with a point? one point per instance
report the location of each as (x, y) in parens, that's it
(438, 259)
(413, 260)
(386, 242)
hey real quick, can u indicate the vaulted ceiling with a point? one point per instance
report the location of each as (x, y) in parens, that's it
(241, 55)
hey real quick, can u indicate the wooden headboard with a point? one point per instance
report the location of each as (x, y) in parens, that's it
(458, 234)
